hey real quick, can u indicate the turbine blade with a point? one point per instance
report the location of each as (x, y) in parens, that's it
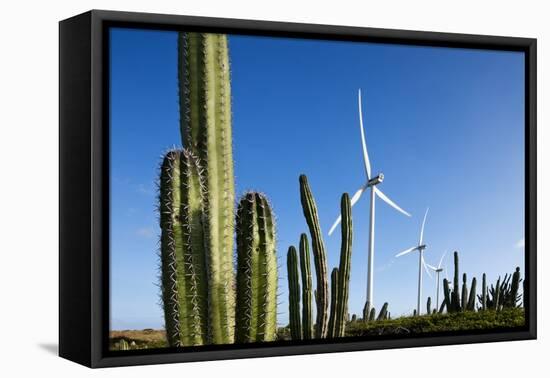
(353, 201)
(358, 194)
(336, 223)
(430, 266)
(427, 271)
(363, 142)
(422, 229)
(426, 267)
(385, 198)
(441, 260)
(406, 251)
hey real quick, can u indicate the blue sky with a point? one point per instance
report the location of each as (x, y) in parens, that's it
(445, 126)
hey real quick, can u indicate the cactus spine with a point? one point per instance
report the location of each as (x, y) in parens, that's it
(256, 271)
(305, 267)
(293, 294)
(205, 123)
(319, 256)
(183, 272)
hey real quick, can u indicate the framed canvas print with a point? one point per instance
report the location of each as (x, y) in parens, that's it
(233, 188)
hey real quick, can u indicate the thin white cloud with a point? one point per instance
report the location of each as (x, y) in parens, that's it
(145, 232)
(520, 243)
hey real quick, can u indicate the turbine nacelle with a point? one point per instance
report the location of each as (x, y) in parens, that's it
(422, 247)
(376, 180)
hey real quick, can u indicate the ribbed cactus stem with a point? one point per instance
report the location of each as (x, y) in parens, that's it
(256, 270)
(447, 296)
(319, 256)
(183, 272)
(455, 297)
(205, 123)
(484, 292)
(344, 267)
(472, 297)
(464, 304)
(332, 331)
(514, 297)
(293, 294)
(305, 267)
(429, 306)
(496, 299)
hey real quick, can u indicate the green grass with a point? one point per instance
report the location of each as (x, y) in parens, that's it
(463, 321)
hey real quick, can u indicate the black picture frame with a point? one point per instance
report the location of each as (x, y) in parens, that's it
(84, 185)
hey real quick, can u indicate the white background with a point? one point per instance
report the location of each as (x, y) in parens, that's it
(29, 185)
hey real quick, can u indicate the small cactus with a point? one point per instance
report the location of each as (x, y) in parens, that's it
(256, 311)
(383, 312)
(123, 345)
(372, 314)
(429, 306)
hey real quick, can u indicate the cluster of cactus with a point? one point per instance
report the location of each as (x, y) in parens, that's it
(369, 313)
(503, 294)
(123, 344)
(202, 300)
(457, 299)
(328, 323)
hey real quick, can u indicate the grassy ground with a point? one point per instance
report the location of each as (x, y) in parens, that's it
(466, 321)
(483, 320)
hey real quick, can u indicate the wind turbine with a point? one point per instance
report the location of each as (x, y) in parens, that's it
(421, 263)
(437, 271)
(371, 183)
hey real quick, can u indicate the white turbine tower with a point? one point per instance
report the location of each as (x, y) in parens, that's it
(371, 183)
(437, 271)
(421, 263)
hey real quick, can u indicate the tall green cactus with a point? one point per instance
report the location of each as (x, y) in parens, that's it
(429, 306)
(464, 303)
(472, 298)
(319, 257)
(183, 270)
(305, 268)
(344, 268)
(483, 298)
(447, 296)
(256, 311)
(205, 123)
(455, 296)
(293, 294)
(334, 303)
